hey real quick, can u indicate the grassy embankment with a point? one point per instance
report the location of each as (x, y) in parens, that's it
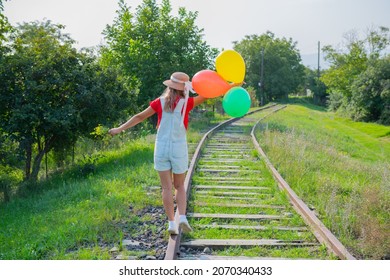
(85, 211)
(339, 167)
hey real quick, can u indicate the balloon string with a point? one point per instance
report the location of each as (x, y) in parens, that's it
(187, 89)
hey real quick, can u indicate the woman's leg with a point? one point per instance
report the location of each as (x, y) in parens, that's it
(181, 197)
(166, 185)
(181, 201)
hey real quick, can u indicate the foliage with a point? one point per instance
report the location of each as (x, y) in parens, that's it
(316, 86)
(345, 67)
(335, 101)
(5, 28)
(100, 133)
(371, 93)
(150, 44)
(72, 213)
(283, 72)
(51, 94)
(9, 177)
(357, 80)
(252, 94)
(4, 25)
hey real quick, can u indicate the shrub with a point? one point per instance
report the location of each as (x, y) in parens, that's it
(9, 177)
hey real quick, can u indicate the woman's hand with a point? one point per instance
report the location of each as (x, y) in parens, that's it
(237, 84)
(114, 131)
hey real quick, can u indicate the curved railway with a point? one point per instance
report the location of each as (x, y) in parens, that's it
(235, 206)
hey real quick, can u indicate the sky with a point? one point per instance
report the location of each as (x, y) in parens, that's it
(305, 21)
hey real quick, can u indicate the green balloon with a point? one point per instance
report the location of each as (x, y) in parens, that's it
(236, 102)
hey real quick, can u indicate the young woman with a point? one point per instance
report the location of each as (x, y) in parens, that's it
(170, 151)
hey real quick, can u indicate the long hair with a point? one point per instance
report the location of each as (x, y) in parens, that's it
(170, 95)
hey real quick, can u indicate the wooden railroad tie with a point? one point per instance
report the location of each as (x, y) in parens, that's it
(223, 243)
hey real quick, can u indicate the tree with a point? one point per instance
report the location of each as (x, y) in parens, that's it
(350, 66)
(371, 93)
(378, 40)
(149, 45)
(4, 25)
(51, 94)
(283, 72)
(345, 68)
(5, 28)
(315, 85)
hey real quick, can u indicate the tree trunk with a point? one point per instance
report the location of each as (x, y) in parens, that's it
(47, 174)
(7, 196)
(37, 165)
(73, 153)
(38, 159)
(28, 161)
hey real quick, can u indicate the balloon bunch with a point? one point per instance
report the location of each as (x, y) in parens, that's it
(230, 67)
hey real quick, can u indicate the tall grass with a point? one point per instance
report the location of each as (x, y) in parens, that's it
(75, 213)
(339, 167)
(83, 211)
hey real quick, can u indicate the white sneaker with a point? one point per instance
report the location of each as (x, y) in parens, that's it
(185, 226)
(172, 229)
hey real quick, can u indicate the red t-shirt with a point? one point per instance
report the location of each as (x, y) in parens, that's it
(156, 106)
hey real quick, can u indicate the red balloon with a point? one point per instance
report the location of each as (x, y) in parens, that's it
(209, 84)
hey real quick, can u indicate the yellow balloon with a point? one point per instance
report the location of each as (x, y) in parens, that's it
(231, 66)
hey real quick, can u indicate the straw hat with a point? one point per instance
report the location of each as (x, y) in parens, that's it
(177, 81)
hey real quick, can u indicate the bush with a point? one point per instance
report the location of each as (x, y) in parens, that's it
(335, 101)
(370, 100)
(9, 178)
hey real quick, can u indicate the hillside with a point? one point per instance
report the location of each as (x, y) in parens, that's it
(339, 167)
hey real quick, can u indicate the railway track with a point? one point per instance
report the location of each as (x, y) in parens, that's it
(241, 208)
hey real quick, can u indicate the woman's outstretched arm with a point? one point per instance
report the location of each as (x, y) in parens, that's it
(136, 119)
(199, 100)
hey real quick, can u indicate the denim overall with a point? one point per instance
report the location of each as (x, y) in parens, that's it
(170, 150)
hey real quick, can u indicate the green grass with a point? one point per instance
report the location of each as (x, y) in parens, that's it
(200, 233)
(340, 167)
(289, 253)
(84, 211)
(74, 215)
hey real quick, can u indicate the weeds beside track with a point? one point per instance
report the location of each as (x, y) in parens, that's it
(236, 208)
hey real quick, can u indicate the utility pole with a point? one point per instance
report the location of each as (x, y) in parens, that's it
(261, 84)
(318, 74)
(318, 69)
